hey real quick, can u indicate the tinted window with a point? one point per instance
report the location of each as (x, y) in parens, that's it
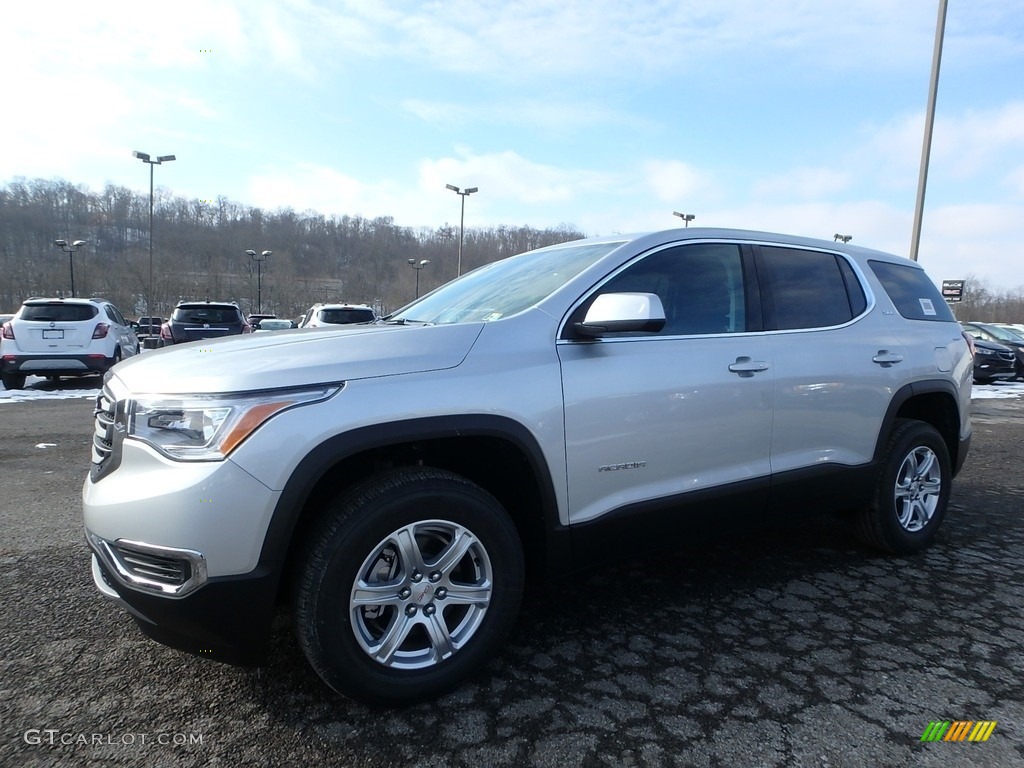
(912, 293)
(342, 316)
(206, 315)
(808, 289)
(61, 313)
(700, 287)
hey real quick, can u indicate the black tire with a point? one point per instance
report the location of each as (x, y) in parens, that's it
(913, 488)
(453, 565)
(12, 380)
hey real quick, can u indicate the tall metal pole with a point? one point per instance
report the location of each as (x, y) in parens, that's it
(149, 293)
(462, 232)
(926, 148)
(259, 287)
(71, 264)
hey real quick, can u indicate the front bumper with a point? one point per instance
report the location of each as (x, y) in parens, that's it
(228, 620)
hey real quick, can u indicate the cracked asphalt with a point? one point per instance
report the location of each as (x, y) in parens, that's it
(789, 647)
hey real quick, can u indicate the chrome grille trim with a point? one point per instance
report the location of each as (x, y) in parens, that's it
(166, 571)
(109, 429)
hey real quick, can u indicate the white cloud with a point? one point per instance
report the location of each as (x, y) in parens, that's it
(802, 183)
(674, 182)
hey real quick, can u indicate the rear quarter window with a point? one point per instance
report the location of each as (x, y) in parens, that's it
(912, 292)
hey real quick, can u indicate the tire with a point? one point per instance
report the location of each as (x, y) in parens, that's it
(12, 380)
(452, 563)
(912, 494)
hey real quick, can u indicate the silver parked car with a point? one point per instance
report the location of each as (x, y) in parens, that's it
(395, 482)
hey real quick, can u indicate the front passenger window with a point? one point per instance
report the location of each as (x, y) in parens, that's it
(700, 286)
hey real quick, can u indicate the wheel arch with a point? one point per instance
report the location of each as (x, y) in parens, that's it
(498, 454)
(933, 402)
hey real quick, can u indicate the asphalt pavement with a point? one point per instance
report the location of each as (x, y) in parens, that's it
(791, 647)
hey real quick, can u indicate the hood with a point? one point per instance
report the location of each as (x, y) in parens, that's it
(297, 358)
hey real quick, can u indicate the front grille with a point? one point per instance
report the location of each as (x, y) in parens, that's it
(109, 429)
(171, 571)
(1006, 356)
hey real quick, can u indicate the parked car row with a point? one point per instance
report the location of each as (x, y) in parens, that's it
(1002, 344)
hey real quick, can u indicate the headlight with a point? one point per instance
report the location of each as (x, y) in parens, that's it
(210, 427)
(983, 351)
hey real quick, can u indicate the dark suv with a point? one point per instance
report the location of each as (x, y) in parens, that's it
(192, 320)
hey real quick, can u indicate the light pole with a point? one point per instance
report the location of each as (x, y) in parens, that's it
(418, 265)
(686, 217)
(70, 250)
(845, 238)
(162, 159)
(259, 259)
(462, 217)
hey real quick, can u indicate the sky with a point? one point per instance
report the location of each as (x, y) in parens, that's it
(797, 116)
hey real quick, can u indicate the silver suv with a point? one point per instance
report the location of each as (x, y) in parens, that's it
(396, 482)
(63, 337)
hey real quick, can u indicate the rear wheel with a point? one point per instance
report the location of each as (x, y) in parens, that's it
(912, 493)
(410, 584)
(12, 380)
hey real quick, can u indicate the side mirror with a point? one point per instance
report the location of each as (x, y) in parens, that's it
(622, 312)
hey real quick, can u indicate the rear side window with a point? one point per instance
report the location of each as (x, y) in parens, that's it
(912, 293)
(809, 289)
(59, 313)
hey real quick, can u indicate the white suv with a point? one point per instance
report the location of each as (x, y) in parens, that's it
(323, 315)
(63, 337)
(395, 482)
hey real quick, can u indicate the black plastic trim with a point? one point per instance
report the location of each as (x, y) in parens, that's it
(322, 458)
(228, 619)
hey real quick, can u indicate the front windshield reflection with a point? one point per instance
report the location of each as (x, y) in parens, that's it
(504, 287)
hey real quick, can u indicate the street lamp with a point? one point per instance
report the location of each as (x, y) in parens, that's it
(162, 159)
(845, 238)
(686, 217)
(418, 265)
(70, 250)
(462, 217)
(259, 259)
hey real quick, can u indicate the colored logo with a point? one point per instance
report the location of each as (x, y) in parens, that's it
(959, 730)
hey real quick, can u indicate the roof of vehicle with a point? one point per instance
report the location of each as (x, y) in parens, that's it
(342, 305)
(187, 304)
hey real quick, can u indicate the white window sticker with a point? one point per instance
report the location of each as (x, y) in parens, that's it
(927, 307)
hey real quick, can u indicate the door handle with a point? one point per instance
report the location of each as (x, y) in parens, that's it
(887, 359)
(746, 367)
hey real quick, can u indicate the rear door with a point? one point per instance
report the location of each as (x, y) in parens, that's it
(657, 416)
(837, 360)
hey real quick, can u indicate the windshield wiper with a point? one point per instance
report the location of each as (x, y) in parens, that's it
(405, 321)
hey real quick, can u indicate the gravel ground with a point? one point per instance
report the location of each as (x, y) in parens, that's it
(795, 647)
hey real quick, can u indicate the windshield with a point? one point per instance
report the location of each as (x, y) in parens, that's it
(1005, 334)
(504, 287)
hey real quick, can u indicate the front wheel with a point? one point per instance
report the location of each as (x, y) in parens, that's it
(912, 493)
(409, 585)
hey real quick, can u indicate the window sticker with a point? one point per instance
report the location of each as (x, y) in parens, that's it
(927, 307)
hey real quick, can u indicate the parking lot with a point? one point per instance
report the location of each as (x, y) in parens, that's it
(794, 647)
